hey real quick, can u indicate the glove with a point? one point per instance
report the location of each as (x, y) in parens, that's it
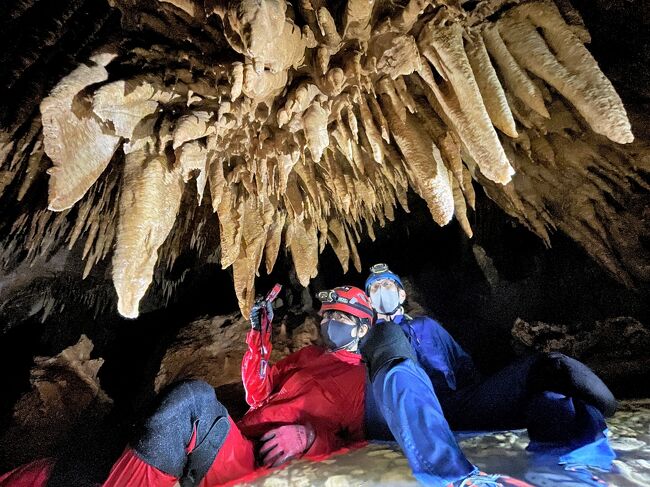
(385, 343)
(286, 443)
(255, 316)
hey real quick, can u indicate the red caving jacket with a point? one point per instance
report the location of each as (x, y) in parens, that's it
(312, 385)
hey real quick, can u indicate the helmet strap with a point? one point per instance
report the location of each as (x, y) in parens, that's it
(391, 315)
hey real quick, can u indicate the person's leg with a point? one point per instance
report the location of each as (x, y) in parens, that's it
(535, 393)
(131, 470)
(567, 410)
(569, 429)
(405, 397)
(179, 440)
(498, 402)
(558, 373)
(376, 426)
(236, 458)
(501, 401)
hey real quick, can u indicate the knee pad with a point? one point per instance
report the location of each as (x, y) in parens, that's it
(166, 433)
(385, 343)
(201, 458)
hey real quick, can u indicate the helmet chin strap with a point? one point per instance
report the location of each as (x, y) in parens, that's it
(393, 312)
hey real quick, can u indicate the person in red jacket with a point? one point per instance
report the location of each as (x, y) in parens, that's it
(309, 404)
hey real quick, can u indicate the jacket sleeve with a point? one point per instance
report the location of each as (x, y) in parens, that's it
(441, 356)
(257, 374)
(463, 366)
(326, 441)
(259, 377)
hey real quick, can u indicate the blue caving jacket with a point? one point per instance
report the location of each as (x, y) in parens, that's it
(448, 366)
(443, 360)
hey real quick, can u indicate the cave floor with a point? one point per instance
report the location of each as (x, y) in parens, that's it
(382, 464)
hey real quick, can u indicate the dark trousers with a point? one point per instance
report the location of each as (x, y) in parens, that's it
(186, 408)
(518, 397)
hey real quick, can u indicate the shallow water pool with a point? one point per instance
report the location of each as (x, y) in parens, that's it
(382, 464)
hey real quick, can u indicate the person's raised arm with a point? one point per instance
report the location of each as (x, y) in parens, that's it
(257, 375)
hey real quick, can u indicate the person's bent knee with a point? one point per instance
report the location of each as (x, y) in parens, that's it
(166, 433)
(555, 371)
(188, 390)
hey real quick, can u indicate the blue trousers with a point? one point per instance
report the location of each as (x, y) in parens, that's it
(559, 400)
(509, 399)
(402, 405)
(401, 402)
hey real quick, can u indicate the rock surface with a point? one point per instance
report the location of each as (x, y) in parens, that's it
(65, 395)
(617, 349)
(308, 124)
(211, 349)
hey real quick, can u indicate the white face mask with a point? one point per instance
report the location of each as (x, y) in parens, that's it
(385, 301)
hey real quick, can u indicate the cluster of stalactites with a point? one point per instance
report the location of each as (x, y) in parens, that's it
(316, 132)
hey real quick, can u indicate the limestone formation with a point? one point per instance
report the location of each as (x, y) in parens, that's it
(305, 125)
(211, 349)
(65, 394)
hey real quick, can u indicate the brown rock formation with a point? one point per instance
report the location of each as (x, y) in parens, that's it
(211, 349)
(305, 122)
(617, 349)
(65, 394)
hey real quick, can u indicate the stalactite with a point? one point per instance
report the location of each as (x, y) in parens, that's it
(149, 201)
(312, 134)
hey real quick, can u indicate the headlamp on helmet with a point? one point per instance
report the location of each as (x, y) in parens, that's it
(347, 299)
(381, 271)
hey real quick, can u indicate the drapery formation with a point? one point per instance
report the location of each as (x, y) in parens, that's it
(305, 125)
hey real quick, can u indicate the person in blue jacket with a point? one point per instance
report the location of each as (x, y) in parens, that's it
(423, 390)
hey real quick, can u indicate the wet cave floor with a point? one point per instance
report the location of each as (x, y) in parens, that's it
(382, 464)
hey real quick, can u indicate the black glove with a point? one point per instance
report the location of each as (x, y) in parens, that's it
(256, 313)
(385, 343)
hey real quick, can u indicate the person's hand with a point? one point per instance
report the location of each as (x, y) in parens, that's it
(255, 316)
(286, 443)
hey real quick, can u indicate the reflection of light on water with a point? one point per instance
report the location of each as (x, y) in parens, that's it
(382, 464)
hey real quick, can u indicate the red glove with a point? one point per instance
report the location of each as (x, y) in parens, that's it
(286, 443)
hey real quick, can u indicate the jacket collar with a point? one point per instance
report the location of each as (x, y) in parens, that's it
(347, 356)
(398, 319)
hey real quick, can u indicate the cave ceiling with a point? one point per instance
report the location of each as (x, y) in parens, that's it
(270, 126)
